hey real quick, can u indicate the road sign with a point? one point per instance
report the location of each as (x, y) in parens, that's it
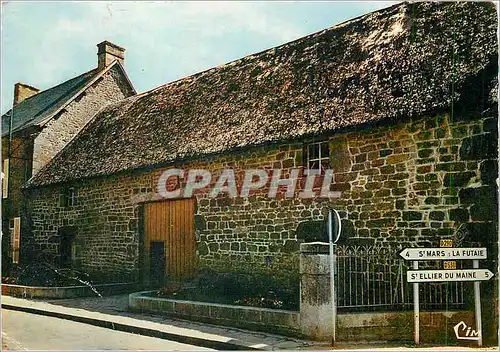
(448, 275)
(443, 253)
(446, 253)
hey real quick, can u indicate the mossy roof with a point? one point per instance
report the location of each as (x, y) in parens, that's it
(405, 61)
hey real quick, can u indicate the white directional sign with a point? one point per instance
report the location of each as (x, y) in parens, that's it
(446, 252)
(443, 253)
(448, 275)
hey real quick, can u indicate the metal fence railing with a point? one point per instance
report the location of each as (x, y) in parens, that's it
(374, 278)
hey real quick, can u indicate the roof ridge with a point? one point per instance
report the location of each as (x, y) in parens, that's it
(62, 96)
(48, 89)
(328, 81)
(80, 75)
(94, 77)
(258, 53)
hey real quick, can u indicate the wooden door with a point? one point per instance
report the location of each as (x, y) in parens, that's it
(67, 251)
(171, 222)
(156, 262)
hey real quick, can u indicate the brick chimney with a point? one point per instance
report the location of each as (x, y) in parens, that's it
(108, 52)
(23, 91)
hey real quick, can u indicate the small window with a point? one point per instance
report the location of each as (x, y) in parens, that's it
(317, 156)
(68, 198)
(71, 197)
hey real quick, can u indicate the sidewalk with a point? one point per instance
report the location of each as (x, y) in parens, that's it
(112, 312)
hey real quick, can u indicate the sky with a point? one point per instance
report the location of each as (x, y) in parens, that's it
(46, 43)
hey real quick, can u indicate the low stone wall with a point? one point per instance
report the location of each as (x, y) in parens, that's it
(272, 320)
(435, 327)
(69, 291)
(356, 327)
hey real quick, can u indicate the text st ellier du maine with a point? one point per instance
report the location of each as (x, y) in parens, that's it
(449, 275)
(253, 180)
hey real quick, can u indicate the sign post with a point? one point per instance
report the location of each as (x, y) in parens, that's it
(333, 259)
(416, 276)
(416, 307)
(477, 304)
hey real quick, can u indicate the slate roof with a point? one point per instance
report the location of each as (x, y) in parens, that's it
(397, 63)
(42, 105)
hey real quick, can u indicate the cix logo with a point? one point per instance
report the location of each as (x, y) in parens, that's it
(470, 334)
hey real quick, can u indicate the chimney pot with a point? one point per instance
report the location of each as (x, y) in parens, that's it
(108, 52)
(23, 91)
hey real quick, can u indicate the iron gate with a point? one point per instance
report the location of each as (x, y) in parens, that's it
(374, 278)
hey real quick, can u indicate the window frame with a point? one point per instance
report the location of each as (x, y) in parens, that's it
(320, 159)
(71, 197)
(68, 197)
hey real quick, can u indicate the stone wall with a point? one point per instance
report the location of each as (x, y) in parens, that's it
(110, 88)
(408, 184)
(19, 171)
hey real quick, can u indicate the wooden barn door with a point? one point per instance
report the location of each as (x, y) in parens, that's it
(169, 224)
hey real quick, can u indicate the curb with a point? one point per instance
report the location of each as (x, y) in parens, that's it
(218, 345)
(40, 292)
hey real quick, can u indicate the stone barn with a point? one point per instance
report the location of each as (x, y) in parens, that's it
(400, 103)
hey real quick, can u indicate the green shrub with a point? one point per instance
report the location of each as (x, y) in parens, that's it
(237, 288)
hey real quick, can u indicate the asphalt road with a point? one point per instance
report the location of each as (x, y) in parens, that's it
(24, 331)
